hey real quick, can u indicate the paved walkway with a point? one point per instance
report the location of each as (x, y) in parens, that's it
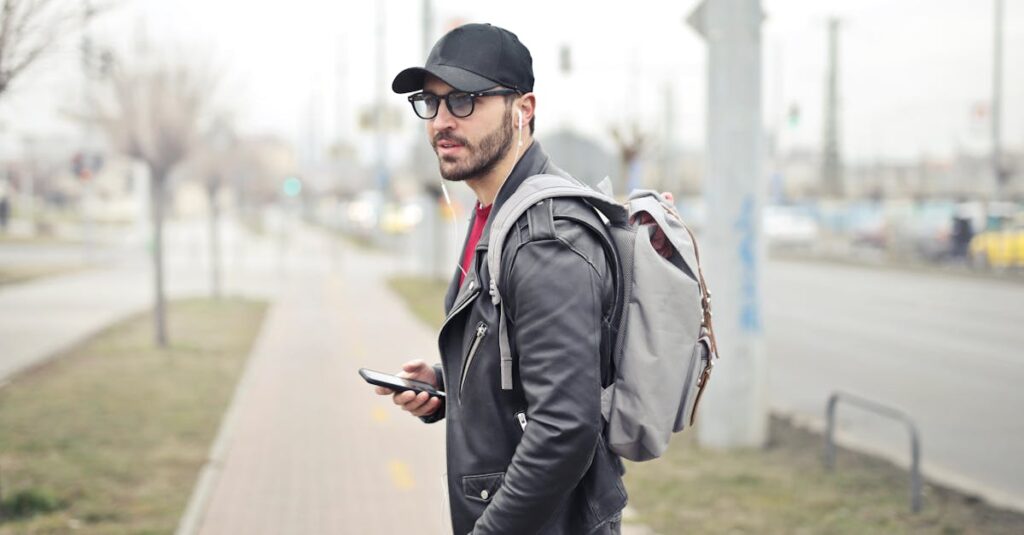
(307, 447)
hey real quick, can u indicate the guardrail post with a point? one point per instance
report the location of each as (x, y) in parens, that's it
(881, 410)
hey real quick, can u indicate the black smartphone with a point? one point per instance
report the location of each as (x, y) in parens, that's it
(398, 384)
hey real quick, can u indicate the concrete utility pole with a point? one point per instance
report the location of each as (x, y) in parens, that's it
(832, 165)
(379, 115)
(997, 102)
(668, 160)
(428, 27)
(734, 412)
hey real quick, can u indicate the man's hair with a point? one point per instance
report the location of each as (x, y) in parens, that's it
(508, 102)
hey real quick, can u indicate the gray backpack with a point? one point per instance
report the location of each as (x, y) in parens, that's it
(664, 345)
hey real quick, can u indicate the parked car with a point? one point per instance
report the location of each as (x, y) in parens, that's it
(1000, 247)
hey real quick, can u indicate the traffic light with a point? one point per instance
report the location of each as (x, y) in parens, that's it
(292, 186)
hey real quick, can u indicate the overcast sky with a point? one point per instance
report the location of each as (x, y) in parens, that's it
(911, 71)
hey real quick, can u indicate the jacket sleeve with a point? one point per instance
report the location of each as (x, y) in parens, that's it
(437, 415)
(553, 298)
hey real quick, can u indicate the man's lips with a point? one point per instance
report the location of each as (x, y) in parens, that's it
(446, 146)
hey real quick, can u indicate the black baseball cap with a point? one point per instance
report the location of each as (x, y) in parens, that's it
(473, 57)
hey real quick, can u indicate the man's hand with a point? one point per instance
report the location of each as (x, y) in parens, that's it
(658, 240)
(421, 404)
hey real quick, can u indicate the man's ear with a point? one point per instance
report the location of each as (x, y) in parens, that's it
(527, 105)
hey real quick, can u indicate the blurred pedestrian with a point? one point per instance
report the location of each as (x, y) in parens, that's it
(532, 459)
(960, 237)
(5, 206)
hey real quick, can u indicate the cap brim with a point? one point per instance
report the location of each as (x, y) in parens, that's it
(412, 79)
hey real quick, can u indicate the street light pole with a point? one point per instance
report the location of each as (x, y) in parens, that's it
(997, 101)
(382, 148)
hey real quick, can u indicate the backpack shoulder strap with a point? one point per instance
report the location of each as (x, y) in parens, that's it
(532, 191)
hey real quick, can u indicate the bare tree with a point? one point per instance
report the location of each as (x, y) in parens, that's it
(156, 112)
(219, 160)
(31, 28)
(631, 142)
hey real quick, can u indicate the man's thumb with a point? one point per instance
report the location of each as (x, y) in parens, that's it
(412, 366)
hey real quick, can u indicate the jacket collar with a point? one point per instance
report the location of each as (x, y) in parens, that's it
(533, 162)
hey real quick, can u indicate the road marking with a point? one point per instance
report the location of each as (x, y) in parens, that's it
(401, 476)
(380, 414)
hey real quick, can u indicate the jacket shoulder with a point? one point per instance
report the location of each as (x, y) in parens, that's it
(557, 218)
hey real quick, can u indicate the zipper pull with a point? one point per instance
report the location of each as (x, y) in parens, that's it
(521, 416)
(481, 330)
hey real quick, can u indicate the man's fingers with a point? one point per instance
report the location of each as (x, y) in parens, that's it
(403, 397)
(416, 402)
(429, 407)
(383, 391)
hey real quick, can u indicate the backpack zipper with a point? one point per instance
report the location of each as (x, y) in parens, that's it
(481, 330)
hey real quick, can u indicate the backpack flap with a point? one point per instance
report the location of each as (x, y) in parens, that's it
(650, 202)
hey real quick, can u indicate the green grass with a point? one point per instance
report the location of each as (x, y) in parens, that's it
(784, 488)
(425, 297)
(781, 489)
(109, 437)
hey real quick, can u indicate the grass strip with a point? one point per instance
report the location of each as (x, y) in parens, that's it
(424, 296)
(109, 436)
(10, 275)
(784, 488)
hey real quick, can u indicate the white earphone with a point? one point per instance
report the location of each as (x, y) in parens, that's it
(520, 112)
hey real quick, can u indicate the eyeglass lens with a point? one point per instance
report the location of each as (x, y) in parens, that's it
(459, 104)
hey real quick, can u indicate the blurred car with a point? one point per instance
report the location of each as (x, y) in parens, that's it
(865, 223)
(1000, 247)
(789, 226)
(921, 229)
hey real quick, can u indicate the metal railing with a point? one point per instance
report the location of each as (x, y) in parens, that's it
(881, 410)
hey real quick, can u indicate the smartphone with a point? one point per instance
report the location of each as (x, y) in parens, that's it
(398, 384)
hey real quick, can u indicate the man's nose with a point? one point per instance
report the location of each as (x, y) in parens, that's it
(444, 120)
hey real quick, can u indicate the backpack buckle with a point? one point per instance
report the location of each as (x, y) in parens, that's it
(709, 360)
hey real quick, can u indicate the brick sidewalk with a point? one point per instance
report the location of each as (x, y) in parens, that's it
(308, 448)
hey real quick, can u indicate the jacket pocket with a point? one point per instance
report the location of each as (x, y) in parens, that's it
(481, 331)
(481, 488)
(602, 488)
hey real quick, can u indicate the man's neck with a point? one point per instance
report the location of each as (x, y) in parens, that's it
(486, 186)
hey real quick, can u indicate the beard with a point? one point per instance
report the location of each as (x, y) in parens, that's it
(481, 158)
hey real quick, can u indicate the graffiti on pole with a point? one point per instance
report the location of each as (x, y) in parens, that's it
(750, 307)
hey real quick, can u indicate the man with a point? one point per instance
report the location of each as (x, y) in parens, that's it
(531, 459)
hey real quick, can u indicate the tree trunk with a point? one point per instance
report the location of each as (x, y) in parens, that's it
(215, 266)
(157, 183)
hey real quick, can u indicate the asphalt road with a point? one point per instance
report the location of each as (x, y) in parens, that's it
(948, 350)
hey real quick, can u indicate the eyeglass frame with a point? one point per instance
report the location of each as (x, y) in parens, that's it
(473, 95)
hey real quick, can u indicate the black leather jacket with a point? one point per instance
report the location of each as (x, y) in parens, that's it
(532, 459)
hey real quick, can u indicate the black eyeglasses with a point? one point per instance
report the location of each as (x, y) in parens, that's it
(460, 104)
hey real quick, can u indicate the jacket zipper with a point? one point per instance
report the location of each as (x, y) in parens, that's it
(481, 330)
(521, 418)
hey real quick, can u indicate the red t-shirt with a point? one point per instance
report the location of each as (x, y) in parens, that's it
(482, 213)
